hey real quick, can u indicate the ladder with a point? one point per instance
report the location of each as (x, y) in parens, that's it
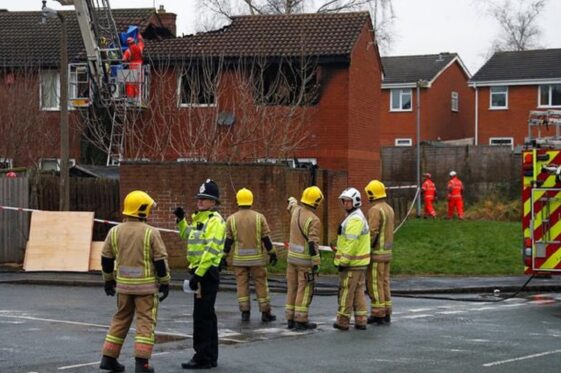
(118, 128)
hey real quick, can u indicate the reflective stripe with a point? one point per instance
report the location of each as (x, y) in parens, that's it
(125, 271)
(113, 339)
(194, 253)
(114, 245)
(147, 261)
(212, 251)
(351, 236)
(355, 257)
(135, 281)
(296, 248)
(245, 252)
(148, 341)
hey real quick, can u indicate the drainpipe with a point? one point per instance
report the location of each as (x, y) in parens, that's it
(476, 114)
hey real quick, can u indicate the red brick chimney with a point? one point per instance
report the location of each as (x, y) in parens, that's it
(168, 20)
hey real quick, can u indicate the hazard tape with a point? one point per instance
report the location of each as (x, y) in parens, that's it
(402, 187)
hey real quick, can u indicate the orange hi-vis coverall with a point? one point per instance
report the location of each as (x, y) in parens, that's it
(133, 55)
(455, 197)
(429, 194)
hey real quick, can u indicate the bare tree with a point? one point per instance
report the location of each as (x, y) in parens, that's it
(382, 12)
(518, 22)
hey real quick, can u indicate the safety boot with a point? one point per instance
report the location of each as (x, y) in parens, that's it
(111, 364)
(305, 325)
(342, 323)
(142, 366)
(245, 315)
(267, 316)
(360, 327)
(290, 324)
(375, 320)
(388, 319)
(340, 327)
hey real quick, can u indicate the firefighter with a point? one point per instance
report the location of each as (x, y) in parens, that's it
(134, 265)
(133, 56)
(303, 257)
(429, 195)
(455, 196)
(205, 243)
(381, 223)
(247, 232)
(351, 259)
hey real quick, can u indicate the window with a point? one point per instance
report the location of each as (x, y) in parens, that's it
(198, 85)
(499, 98)
(6, 163)
(550, 95)
(454, 101)
(78, 85)
(287, 84)
(50, 90)
(400, 100)
(403, 142)
(502, 141)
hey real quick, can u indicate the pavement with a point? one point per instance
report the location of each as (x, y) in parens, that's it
(326, 285)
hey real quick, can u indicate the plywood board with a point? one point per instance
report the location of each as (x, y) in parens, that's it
(95, 255)
(59, 241)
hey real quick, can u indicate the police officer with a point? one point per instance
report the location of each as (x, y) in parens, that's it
(303, 257)
(381, 223)
(351, 259)
(247, 232)
(205, 242)
(134, 265)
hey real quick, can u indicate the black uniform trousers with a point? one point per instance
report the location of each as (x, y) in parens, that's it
(205, 325)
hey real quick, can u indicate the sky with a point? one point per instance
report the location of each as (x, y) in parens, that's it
(421, 26)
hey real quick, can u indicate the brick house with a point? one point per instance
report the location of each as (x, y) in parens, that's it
(29, 79)
(446, 100)
(510, 85)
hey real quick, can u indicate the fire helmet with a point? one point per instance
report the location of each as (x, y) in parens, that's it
(244, 197)
(375, 190)
(353, 195)
(138, 204)
(312, 196)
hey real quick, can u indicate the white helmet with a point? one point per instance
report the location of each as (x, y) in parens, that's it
(452, 173)
(353, 195)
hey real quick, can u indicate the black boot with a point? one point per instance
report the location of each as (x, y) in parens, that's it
(267, 317)
(192, 364)
(375, 320)
(245, 315)
(290, 324)
(110, 363)
(305, 325)
(388, 319)
(141, 365)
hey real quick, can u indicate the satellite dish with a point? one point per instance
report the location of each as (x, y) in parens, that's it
(226, 119)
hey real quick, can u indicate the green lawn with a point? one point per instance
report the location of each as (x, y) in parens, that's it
(450, 247)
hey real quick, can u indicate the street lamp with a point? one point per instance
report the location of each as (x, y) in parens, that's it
(64, 194)
(421, 83)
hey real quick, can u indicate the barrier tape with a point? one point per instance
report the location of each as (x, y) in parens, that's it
(402, 187)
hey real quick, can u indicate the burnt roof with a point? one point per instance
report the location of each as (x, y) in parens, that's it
(410, 69)
(292, 35)
(521, 65)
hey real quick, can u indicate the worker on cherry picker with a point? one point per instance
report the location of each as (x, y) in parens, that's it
(133, 56)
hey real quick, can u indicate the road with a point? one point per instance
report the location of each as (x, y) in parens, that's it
(61, 329)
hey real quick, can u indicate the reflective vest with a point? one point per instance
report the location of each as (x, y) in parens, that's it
(247, 228)
(205, 240)
(304, 227)
(429, 189)
(455, 188)
(353, 243)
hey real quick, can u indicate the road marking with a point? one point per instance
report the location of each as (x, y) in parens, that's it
(97, 362)
(521, 358)
(416, 316)
(450, 312)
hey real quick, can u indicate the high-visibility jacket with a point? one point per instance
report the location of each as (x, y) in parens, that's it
(353, 242)
(247, 228)
(428, 188)
(205, 240)
(305, 227)
(135, 246)
(455, 188)
(381, 222)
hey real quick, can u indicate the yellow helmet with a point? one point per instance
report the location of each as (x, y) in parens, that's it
(312, 196)
(244, 197)
(138, 204)
(375, 190)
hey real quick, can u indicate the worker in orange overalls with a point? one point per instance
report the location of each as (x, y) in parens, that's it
(133, 56)
(429, 195)
(455, 196)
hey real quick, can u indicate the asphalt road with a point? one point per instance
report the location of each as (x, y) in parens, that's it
(61, 329)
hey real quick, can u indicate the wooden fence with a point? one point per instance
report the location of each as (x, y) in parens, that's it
(14, 225)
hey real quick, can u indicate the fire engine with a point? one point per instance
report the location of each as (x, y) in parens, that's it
(541, 194)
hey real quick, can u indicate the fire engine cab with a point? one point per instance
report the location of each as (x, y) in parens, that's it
(541, 193)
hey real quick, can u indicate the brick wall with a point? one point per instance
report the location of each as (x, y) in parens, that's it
(176, 184)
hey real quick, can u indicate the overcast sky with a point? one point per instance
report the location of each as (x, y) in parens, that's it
(421, 27)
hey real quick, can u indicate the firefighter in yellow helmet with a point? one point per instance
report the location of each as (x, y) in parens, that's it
(205, 244)
(351, 259)
(247, 232)
(381, 223)
(303, 257)
(134, 265)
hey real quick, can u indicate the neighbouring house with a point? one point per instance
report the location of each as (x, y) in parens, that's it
(446, 101)
(508, 87)
(30, 84)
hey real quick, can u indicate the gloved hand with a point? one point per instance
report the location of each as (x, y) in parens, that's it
(315, 268)
(292, 201)
(273, 259)
(223, 264)
(179, 213)
(164, 289)
(110, 288)
(194, 282)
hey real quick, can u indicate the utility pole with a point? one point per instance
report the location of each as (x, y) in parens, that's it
(421, 83)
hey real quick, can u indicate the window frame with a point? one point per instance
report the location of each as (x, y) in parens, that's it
(405, 139)
(511, 139)
(56, 74)
(455, 101)
(185, 72)
(402, 92)
(491, 106)
(550, 94)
